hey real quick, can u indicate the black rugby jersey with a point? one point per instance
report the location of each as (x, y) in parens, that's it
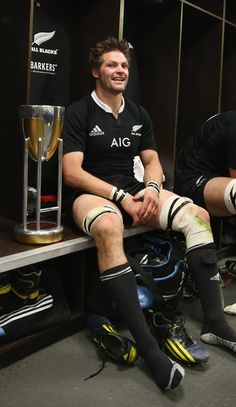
(109, 144)
(212, 149)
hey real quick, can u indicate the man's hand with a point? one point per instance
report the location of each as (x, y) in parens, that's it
(149, 198)
(132, 208)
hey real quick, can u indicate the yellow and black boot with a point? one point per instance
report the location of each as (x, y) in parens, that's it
(25, 282)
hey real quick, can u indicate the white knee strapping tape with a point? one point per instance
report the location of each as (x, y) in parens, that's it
(96, 213)
(197, 231)
(230, 196)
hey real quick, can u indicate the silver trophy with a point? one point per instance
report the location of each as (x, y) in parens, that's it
(42, 126)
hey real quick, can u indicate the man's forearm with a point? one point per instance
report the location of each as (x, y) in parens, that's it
(153, 172)
(87, 182)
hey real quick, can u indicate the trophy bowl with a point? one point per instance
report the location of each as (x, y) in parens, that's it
(41, 122)
(41, 126)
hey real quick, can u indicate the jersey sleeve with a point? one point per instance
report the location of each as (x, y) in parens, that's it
(74, 128)
(148, 138)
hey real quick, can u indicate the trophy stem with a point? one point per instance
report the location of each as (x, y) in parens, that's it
(41, 126)
(25, 184)
(39, 180)
(59, 182)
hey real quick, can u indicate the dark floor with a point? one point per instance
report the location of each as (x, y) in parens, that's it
(54, 376)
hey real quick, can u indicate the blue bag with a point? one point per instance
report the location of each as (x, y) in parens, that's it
(159, 265)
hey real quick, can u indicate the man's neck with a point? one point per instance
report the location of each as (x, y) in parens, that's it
(114, 101)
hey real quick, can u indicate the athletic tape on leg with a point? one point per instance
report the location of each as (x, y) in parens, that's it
(230, 196)
(197, 231)
(94, 214)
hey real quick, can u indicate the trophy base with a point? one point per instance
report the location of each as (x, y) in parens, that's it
(49, 233)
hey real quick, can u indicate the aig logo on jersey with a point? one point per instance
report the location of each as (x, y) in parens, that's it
(120, 142)
(135, 130)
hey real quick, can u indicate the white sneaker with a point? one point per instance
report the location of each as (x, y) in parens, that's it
(230, 309)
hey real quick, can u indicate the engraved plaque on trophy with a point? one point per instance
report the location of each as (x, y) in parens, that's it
(41, 126)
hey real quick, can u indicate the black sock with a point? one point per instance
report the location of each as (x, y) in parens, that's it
(203, 267)
(121, 283)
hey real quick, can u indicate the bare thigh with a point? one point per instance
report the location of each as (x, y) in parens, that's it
(214, 196)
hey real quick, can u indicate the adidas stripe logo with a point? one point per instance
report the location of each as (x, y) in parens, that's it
(96, 131)
(7, 321)
(179, 351)
(110, 276)
(216, 277)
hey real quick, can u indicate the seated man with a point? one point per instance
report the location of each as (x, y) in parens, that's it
(102, 133)
(206, 166)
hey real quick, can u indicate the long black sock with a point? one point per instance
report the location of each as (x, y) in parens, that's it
(203, 267)
(121, 283)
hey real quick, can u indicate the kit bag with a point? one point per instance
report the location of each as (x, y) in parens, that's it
(158, 261)
(20, 317)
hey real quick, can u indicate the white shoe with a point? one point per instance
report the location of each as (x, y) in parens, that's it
(230, 309)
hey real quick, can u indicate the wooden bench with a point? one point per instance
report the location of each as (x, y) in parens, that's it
(72, 250)
(14, 254)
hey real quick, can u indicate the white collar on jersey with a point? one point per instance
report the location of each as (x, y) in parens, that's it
(104, 106)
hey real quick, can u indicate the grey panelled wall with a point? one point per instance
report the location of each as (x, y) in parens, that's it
(186, 55)
(208, 62)
(154, 32)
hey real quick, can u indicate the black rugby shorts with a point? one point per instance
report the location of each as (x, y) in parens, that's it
(192, 186)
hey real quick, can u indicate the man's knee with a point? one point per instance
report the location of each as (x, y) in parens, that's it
(108, 227)
(203, 214)
(230, 196)
(103, 221)
(182, 215)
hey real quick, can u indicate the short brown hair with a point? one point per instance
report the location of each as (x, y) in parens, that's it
(107, 45)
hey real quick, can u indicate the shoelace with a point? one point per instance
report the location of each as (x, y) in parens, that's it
(101, 367)
(99, 337)
(177, 329)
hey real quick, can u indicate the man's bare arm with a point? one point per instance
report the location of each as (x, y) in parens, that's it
(150, 195)
(152, 166)
(76, 177)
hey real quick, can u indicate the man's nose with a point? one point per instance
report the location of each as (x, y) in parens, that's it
(120, 68)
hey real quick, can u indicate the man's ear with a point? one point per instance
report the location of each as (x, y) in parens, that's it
(95, 73)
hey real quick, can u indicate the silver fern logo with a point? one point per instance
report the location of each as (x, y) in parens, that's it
(41, 64)
(42, 37)
(135, 130)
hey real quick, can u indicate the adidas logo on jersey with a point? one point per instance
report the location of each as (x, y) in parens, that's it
(96, 131)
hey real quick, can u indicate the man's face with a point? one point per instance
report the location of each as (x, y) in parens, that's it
(113, 73)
